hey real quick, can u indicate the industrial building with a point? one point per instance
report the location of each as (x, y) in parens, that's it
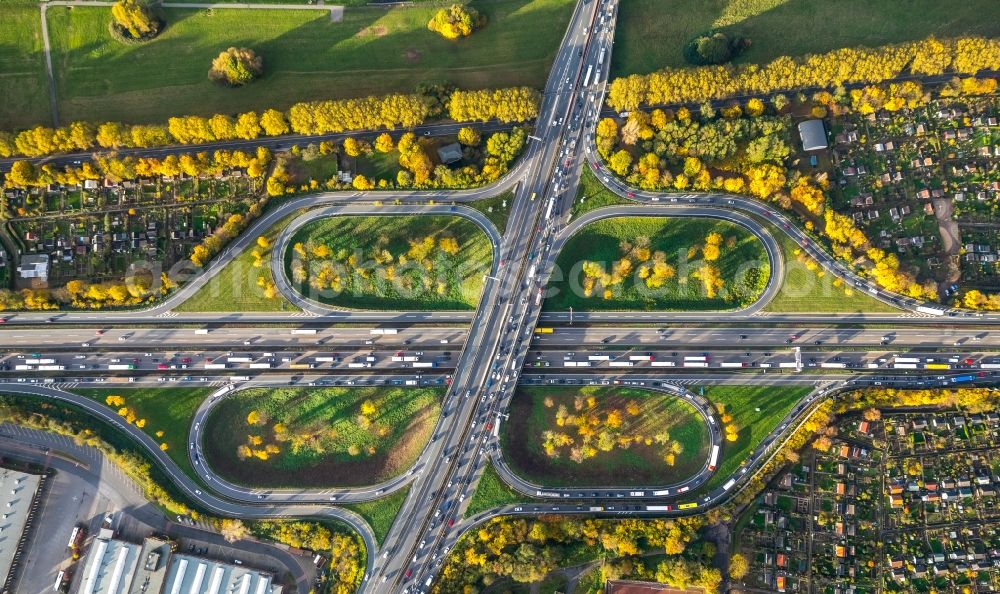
(117, 567)
(18, 501)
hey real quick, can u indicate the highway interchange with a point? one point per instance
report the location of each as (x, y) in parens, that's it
(479, 357)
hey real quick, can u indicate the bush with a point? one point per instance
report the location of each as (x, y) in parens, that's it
(713, 47)
(456, 21)
(236, 67)
(133, 20)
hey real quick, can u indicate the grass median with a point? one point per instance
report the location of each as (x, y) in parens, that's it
(319, 437)
(807, 288)
(395, 263)
(755, 412)
(164, 414)
(659, 263)
(245, 283)
(603, 435)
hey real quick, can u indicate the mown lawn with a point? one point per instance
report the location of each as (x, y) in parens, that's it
(306, 56)
(742, 403)
(356, 275)
(236, 287)
(816, 291)
(24, 87)
(169, 410)
(381, 512)
(317, 437)
(640, 463)
(491, 492)
(743, 265)
(651, 34)
(496, 209)
(592, 195)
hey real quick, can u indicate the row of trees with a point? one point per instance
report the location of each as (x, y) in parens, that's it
(234, 225)
(966, 55)
(525, 550)
(313, 117)
(132, 291)
(25, 174)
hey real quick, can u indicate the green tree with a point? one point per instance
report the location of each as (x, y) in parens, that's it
(458, 20)
(134, 18)
(236, 67)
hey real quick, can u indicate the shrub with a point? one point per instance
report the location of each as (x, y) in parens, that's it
(713, 47)
(236, 67)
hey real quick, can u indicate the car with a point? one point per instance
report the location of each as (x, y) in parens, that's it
(630, 194)
(451, 522)
(409, 572)
(85, 345)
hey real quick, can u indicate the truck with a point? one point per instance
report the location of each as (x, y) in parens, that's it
(728, 484)
(325, 359)
(51, 367)
(827, 365)
(933, 311)
(260, 366)
(302, 366)
(383, 331)
(659, 508)
(621, 364)
(425, 364)
(215, 365)
(586, 79)
(240, 378)
(598, 357)
(640, 357)
(240, 359)
(695, 364)
(544, 330)
(600, 58)
(906, 359)
(732, 364)
(904, 365)
(663, 364)
(636, 493)
(304, 331)
(201, 331)
(713, 460)
(120, 366)
(696, 358)
(37, 361)
(961, 379)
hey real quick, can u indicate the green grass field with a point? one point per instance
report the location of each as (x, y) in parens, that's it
(381, 512)
(743, 265)
(169, 410)
(235, 287)
(24, 87)
(814, 291)
(592, 195)
(496, 209)
(452, 281)
(320, 438)
(306, 57)
(491, 492)
(651, 35)
(743, 402)
(640, 463)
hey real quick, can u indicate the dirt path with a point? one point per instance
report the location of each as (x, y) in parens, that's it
(951, 237)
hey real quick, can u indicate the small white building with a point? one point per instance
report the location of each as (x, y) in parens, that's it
(813, 135)
(34, 266)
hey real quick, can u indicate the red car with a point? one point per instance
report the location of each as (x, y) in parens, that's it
(630, 194)
(593, 166)
(162, 366)
(408, 573)
(451, 522)
(186, 360)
